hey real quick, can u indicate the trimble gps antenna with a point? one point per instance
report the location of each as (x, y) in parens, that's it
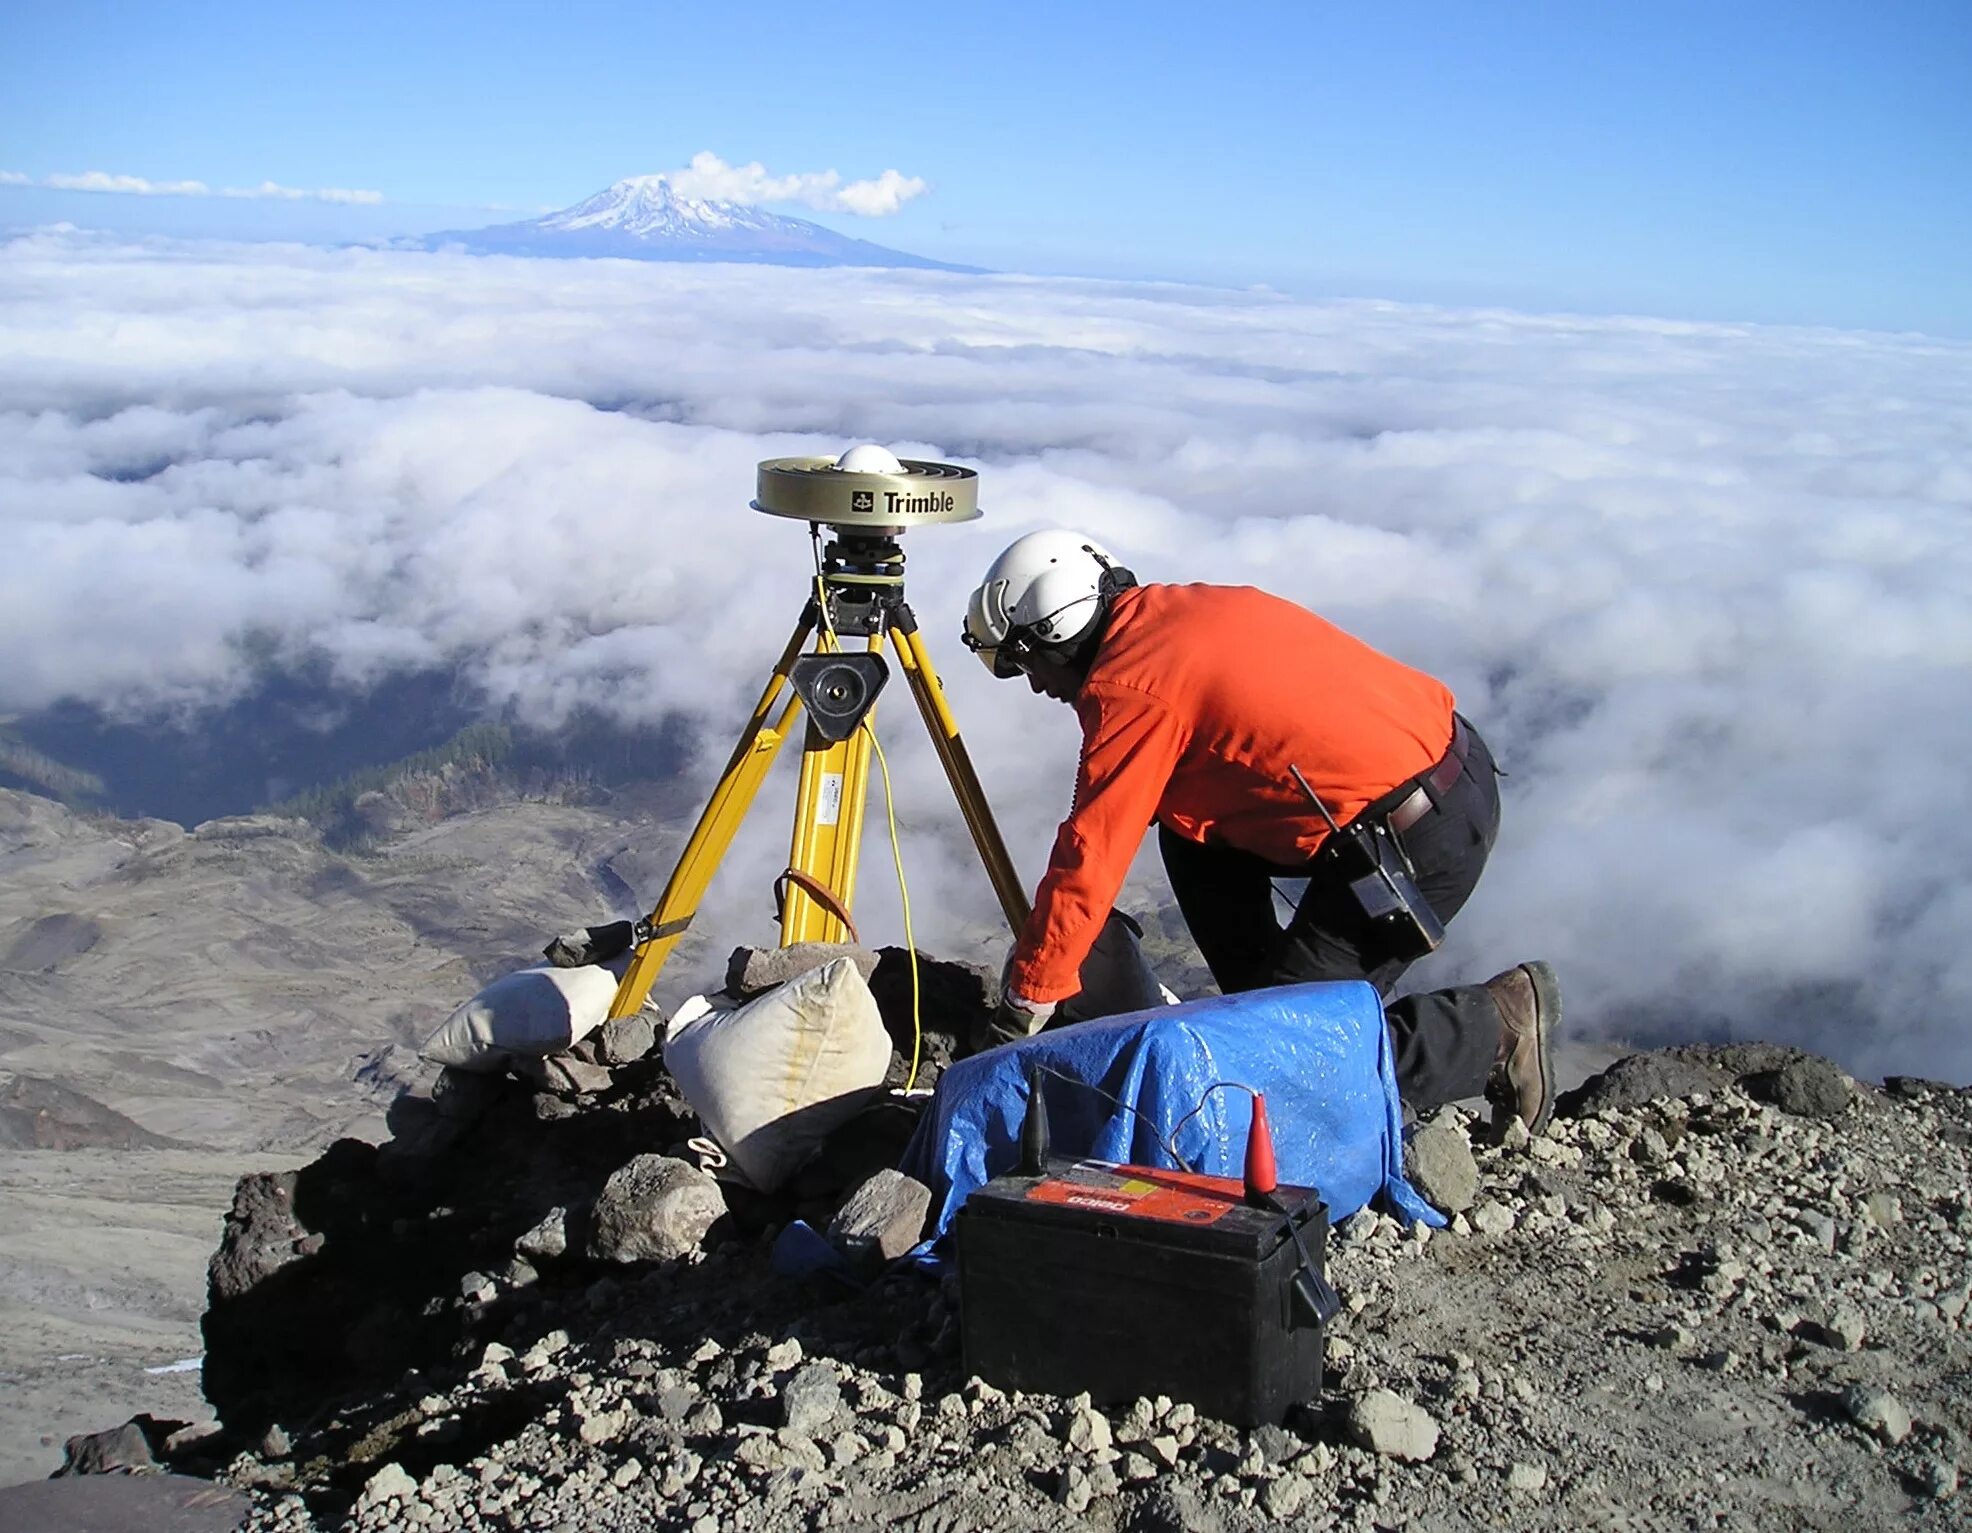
(867, 499)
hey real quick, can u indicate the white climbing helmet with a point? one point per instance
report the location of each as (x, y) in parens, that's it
(1046, 590)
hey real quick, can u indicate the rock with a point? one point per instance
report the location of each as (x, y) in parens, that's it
(542, 1354)
(1936, 1477)
(390, 1483)
(1275, 1444)
(1492, 1218)
(654, 1209)
(882, 1220)
(622, 1040)
(1527, 1478)
(1282, 1499)
(547, 1239)
(464, 1096)
(1844, 1328)
(120, 1450)
(1877, 1412)
(259, 1238)
(1439, 1163)
(1088, 1431)
(562, 1074)
(1172, 1506)
(1391, 1426)
(596, 1424)
(784, 1354)
(1639, 1078)
(1806, 1087)
(753, 969)
(1915, 1087)
(811, 1399)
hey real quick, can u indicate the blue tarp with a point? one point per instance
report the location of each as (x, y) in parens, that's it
(1319, 1052)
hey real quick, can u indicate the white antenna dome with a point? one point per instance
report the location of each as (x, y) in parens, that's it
(869, 459)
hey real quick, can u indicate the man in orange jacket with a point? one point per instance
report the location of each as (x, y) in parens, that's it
(1198, 705)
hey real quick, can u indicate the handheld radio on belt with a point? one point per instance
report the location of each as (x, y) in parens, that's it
(1385, 885)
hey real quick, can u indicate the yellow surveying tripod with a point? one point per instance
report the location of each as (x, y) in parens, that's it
(867, 499)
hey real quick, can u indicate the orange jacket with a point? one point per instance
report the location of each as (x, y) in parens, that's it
(1199, 699)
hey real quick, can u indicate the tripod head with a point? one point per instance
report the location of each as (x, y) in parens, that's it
(867, 491)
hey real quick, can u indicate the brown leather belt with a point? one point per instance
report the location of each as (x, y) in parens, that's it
(1417, 803)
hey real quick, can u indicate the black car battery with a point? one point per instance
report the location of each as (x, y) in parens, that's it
(1131, 1280)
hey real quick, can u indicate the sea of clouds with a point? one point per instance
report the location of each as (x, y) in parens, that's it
(1706, 588)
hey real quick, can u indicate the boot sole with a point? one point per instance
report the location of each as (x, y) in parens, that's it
(1547, 1016)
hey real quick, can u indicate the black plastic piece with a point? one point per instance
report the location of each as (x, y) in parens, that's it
(837, 690)
(1034, 1129)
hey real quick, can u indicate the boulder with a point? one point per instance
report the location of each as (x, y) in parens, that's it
(882, 1219)
(654, 1209)
(622, 1040)
(1389, 1425)
(563, 1074)
(1438, 1161)
(1806, 1087)
(1639, 1078)
(120, 1450)
(811, 1399)
(753, 969)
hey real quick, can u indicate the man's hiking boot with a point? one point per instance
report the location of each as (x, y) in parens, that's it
(1528, 999)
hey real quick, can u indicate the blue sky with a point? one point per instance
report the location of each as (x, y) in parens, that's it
(1806, 162)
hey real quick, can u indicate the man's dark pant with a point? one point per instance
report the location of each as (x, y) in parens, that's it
(1445, 1041)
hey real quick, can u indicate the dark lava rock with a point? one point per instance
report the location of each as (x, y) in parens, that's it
(1807, 1087)
(132, 1448)
(1638, 1078)
(952, 997)
(330, 1281)
(1911, 1088)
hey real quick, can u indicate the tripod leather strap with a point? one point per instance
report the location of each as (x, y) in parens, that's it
(817, 891)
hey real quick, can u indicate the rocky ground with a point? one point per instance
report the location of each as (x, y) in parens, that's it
(1728, 1289)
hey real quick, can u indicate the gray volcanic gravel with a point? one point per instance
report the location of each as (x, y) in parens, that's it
(1696, 1311)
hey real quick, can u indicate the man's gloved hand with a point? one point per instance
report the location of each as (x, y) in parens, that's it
(1014, 1018)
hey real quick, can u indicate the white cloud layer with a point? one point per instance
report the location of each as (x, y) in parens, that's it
(1704, 587)
(139, 186)
(708, 176)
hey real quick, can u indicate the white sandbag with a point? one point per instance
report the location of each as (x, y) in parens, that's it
(772, 1079)
(528, 1013)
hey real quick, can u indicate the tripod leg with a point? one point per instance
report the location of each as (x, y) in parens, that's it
(828, 831)
(944, 728)
(714, 832)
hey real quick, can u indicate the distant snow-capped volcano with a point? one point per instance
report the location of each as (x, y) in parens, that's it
(643, 218)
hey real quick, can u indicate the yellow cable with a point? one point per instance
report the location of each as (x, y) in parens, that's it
(904, 893)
